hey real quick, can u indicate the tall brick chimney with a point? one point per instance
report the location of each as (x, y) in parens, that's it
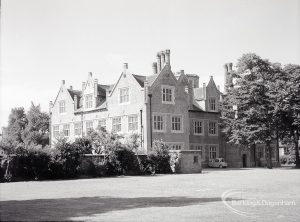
(125, 66)
(204, 90)
(154, 67)
(167, 56)
(162, 59)
(158, 62)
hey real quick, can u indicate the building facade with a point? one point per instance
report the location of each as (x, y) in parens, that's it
(165, 106)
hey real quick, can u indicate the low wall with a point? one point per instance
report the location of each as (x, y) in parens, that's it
(189, 162)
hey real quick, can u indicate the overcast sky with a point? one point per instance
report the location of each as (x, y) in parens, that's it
(45, 41)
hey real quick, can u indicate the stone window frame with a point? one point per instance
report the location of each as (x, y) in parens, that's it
(212, 104)
(202, 127)
(163, 122)
(117, 124)
(66, 130)
(181, 123)
(56, 131)
(88, 101)
(210, 151)
(164, 94)
(133, 124)
(78, 129)
(87, 127)
(124, 99)
(62, 107)
(171, 146)
(102, 123)
(216, 128)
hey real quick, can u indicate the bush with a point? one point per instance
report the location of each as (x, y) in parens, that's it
(87, 167)
(128, 162)
(67, 159)
(159, 158)
(29, 164)
(288, 159)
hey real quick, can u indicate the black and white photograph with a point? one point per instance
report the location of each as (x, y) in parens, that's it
(150, 110)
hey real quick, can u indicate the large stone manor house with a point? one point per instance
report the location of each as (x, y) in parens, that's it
(165, 105)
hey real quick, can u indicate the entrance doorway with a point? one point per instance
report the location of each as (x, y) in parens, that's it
(244, 160)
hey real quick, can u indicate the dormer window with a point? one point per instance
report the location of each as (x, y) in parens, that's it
(212, 104)
(124, 95)
(62, 106)
(89, 101)
(168, 94)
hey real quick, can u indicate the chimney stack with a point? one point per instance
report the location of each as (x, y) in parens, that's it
(181, 72)
(90, 74)
(63, 82)
(83, 86)
(71, 87)
(204, 90)
(158, 62)
(167, 54)
(154, 67)
(162, 59)
(125, 66)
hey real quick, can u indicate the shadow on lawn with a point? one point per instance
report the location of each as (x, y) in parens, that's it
(67, 208)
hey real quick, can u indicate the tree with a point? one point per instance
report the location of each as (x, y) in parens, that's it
(37, 128)
(248, 108)
(12, 134)
(290, 107)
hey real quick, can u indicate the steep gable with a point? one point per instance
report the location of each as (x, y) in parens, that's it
(63, 90)
(135, 79)
(165, 73)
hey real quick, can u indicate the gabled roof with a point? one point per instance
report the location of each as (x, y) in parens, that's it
(102, 89)
(212, 83)
(151, 79)
(196, 107)
(73, 92)
(183, 79)
(140, 79)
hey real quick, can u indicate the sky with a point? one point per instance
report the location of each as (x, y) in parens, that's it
(46, 41)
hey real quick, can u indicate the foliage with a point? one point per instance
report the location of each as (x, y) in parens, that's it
(248, 110)
(37, 128)
(289, 107)
(83, 145)
(25, 130)
(287, 159)
(103, 142)
(29, 164)
(159, 158)
(67, 157)
(12, 134)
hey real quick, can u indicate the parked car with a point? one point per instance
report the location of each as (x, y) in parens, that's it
(218, 162)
